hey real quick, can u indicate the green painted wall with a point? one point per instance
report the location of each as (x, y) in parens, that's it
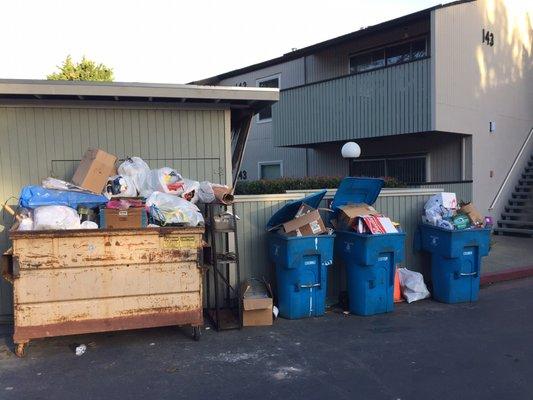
(388, 101)
(41, 141)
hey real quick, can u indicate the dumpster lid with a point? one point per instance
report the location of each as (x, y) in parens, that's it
(289, 210)
(357, 190)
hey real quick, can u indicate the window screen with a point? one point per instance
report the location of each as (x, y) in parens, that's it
(367, 61)
(372, 168)
(406, 169)
(398, 54)
(391, 55)
(270, 171)
(419, 49)
(266, 113)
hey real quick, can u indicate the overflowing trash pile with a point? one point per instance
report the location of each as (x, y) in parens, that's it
(103, 196)
(442, 210)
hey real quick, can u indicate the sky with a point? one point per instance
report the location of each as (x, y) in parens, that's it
(177, 41)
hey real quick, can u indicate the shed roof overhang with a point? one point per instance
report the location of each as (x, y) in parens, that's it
(251, 99)
(242, 102)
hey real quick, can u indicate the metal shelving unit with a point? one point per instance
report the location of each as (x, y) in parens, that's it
(226, 311)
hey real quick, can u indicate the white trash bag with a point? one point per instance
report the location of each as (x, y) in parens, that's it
(412, 285)
(26, 224)
(120, 186)
(165, 180)
(55, 217)
(205, 192)
(133, 166)
(136, 168)
(89, 225)
(190, 190)
(169, 209)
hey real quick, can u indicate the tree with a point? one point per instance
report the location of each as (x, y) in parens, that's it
(85, 70)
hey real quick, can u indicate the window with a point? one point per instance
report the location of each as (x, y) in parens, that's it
(391, 55)
(407, 169)
(367, 61)
(419, 49)
(270, 82)
(270, 170)
(398, 54)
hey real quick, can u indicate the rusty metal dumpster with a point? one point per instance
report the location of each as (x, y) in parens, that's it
(73, 282)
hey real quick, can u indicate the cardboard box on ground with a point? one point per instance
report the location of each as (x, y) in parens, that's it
(257, 303)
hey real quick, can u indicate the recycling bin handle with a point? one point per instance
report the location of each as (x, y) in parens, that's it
(460, 274)
(308, 285)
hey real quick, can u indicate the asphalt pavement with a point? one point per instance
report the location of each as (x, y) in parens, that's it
(424, 350)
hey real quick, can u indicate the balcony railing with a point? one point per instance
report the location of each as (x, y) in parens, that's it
(389, 101)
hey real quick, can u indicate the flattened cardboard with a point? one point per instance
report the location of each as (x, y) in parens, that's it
(95, 168)
(306, 225)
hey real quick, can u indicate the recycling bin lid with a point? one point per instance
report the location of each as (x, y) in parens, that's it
(289, 210)
(357, 190)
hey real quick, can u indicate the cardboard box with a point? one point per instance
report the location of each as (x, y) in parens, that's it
(472, 213)
(131, 218)
(95, 168)
(306, 225)
(256, 303)
(304, 209)
(349, 213)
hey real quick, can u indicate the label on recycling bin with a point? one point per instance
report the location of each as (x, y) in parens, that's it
(181, 242)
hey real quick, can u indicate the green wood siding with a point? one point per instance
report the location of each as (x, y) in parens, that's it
(40, 141)
(388, 101)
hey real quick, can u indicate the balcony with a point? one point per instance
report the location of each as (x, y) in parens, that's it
(388, 101)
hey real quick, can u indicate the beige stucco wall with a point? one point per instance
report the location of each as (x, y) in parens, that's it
(474, 83)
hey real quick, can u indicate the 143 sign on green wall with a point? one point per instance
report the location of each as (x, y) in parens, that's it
(487, 37)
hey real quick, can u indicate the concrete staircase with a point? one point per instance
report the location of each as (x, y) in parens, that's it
(517, 219)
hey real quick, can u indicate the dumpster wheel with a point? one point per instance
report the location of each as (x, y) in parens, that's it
(20, 349)
(196, 333)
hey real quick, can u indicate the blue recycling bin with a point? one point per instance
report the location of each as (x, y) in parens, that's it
(370, 260)
(301, 264)
(455, 261)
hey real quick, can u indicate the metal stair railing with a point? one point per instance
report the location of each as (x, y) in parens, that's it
(511, 170)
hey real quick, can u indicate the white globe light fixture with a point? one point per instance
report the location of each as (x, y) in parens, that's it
(351, 150)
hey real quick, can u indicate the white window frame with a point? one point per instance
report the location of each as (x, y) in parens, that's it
(257, 82)
(276, 162)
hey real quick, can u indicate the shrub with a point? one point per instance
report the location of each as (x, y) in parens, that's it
(274, 186)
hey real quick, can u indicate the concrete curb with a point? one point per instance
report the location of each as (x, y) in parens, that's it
(507, 275)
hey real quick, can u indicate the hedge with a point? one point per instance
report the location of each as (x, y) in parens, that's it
(274, 186)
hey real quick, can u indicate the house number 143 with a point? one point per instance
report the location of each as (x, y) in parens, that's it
(487, 38)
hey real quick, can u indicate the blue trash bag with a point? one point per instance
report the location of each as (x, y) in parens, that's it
(35, 196)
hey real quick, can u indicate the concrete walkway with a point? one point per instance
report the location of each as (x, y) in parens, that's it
(424, 350)
(508, 252)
